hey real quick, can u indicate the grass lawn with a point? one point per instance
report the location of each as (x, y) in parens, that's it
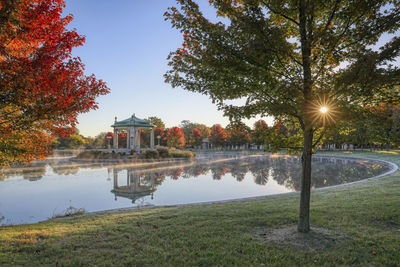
(367, 214)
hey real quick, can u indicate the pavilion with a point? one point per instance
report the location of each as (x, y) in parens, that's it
(131, 127)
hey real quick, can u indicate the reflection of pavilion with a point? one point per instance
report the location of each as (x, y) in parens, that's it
(138, 185)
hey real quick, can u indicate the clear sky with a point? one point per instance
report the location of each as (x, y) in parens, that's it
(127, 43)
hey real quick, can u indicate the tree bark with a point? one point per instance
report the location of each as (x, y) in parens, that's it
(304, 217)
(305, 28)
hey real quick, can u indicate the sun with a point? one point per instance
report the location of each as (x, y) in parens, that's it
(323, 110)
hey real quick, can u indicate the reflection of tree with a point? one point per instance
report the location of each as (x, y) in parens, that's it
(287, 172)
(218, 172)
(35, 171)
(284, 170)
(260, 170)
(175, 173)
(325, 172)
(238, 171)
(65, 170)
(196, 170)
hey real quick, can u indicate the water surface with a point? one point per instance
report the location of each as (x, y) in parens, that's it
(50, 188)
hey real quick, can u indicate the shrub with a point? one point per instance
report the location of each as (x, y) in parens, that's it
(163, 152)
(89, 155)
(150, 154)
(181, 154)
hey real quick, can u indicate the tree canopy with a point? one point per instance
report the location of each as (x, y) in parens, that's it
(311, 63)
(175, 137)
(42, 88)
(157, 122)
(218, 135)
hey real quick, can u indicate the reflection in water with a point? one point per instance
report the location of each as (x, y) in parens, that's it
(217, 177)
(137, 185)
(286, 171)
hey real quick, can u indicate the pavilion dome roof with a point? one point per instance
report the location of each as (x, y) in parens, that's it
(133, 121)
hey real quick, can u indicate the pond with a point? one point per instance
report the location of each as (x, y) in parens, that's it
(58, 185)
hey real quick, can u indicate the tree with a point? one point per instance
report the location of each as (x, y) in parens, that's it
(260, 132)
(157, 122)
(75, 140)
(175, 137)
(205, 131)
(187, 127)
(196, 138)
(299, 61)
(42, 88)
(218, 135)
(238, 134)
(376, 125)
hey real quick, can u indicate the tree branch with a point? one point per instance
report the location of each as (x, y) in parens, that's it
(280, 14)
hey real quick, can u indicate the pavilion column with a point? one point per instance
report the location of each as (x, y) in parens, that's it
(152, 139)
(128, 139)
(136, 138)
(139, 141)
(115, 141)
(127, 178)
(115, 172)
(131, 138)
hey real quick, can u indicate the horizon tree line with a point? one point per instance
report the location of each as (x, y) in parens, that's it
(378, 127)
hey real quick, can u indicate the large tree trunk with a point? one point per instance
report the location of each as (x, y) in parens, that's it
(304, 217)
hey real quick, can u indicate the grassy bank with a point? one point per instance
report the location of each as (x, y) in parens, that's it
(366, 214)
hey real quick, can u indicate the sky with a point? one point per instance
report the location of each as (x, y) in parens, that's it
(127, 44)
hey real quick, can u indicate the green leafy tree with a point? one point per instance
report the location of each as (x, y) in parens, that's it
(299, 61)
(101, 141)
(188, 126)
(375, 126)
(157, 122)
(205, 131)
(260, 132)
(75, 140)
(238, 134)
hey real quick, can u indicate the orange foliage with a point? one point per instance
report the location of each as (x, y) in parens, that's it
(175, 137)
(43, 88)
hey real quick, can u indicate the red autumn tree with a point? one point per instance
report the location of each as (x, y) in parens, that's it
(196, 138)
(42, 88)
(175, 137)
(218, 135)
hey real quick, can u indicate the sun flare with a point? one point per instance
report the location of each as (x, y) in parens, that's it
(323, 111)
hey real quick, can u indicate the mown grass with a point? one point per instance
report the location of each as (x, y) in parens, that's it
(220, 234)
